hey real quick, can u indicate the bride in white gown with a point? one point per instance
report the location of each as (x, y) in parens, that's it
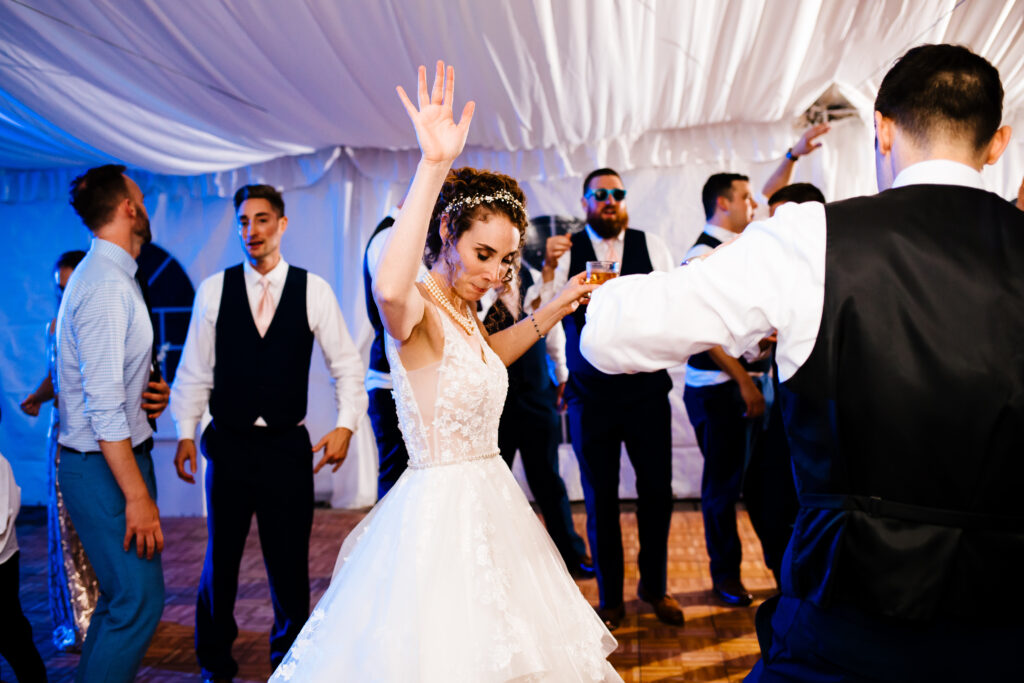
(451, 577)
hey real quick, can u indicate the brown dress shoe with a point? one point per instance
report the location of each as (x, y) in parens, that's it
(666, 608)
(612, 616)
(732, 592)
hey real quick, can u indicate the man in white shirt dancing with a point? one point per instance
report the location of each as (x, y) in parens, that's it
(899, 321)
(247, 355)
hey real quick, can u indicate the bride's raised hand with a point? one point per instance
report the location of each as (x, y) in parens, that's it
(440, 138)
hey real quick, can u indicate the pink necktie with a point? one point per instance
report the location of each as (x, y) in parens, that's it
(613, 250)
(265, 308)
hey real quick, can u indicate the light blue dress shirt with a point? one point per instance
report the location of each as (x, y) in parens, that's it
(104, 351)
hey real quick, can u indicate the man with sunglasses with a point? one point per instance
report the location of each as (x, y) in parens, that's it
(606, 411)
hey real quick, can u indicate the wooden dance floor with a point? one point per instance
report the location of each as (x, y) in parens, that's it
(716, 644)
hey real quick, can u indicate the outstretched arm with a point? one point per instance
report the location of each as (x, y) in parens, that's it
(441, 140)
(513, 342)
(783, 175)
(42, 394)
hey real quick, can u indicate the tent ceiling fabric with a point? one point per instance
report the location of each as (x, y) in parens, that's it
(197, 87)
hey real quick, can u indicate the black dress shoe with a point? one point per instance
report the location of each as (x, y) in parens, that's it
(666, 608)
(732, 592)
(581, 568)
(612, 616)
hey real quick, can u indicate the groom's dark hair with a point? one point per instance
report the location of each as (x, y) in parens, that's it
(942, 90)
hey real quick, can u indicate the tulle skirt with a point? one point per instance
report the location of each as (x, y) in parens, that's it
(451, 577)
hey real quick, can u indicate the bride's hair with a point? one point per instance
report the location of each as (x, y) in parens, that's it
(468, 195)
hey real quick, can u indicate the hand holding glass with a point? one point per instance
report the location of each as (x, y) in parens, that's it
(599, 272)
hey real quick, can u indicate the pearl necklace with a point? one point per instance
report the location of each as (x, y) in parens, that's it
(464, 321)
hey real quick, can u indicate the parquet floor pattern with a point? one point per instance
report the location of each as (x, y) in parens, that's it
(716, 644)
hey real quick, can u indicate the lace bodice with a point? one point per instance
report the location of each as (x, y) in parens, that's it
(468, 400)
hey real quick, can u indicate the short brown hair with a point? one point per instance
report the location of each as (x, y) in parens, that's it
(260, 192)
(96, 193)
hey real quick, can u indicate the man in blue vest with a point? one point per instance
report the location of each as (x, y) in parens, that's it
(606, 412)
(726, 406)
(900, 318)
(247, 356)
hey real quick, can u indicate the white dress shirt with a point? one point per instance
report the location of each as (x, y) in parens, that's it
(193, 381)
(771, 277)
(721, 234)
(10, 504)
(661, 257)
(695, 377)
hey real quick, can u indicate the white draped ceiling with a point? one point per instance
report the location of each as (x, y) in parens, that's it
(200, 97)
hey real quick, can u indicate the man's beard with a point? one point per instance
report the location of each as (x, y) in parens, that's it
(142, 226)
(608, 226)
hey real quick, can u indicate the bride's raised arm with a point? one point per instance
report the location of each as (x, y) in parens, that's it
(441, 140)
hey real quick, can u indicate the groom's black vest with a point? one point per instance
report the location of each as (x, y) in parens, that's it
(906, 423)
(586, 381)
(256, 376)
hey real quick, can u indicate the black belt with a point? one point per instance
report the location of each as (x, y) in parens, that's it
(144, 447)
(876, 507)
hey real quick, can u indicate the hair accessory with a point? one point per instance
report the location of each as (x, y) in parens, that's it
(535, 327)
(464, 321)
(477, 199)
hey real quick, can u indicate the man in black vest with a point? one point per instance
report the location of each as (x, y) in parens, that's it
(726, 406)
(607, 411)
(530, 424)
(900, 319)
(247, 355)
(392, 458)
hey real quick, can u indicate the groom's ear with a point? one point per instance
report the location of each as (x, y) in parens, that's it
(884, 133)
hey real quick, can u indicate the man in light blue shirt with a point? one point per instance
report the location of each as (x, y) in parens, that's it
(104, 356)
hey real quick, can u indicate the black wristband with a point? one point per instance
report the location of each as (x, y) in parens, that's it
(790, 155)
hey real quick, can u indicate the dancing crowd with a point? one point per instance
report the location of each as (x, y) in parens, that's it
(853, 374)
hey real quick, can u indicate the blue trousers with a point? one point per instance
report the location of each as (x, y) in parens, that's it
(740, 458)
(599, 427)
(392, 457)
(131, 588)
(536, 436)
(801, 642)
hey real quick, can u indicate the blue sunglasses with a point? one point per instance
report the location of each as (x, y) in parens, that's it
(602, 194)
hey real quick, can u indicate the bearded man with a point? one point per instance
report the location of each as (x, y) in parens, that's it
(606, 411)
(104, 361)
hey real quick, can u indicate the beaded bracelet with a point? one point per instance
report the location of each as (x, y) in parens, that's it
(535, 327)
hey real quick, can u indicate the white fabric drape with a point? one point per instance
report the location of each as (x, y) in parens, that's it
(200, 98)
(193, 87)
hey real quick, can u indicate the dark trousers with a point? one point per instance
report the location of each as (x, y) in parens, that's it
(766, 482)
(810, 644)
(269, 473)
(16, 644)
(392, 458)
(599, 427)
(536, 436)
